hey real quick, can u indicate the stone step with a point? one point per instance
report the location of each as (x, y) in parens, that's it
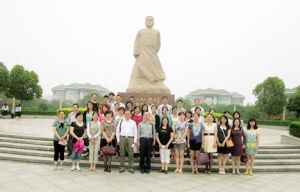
(25, 137)
(48, 154)
(262, 154)
(49, 141)
(26, 141)
(115, 165)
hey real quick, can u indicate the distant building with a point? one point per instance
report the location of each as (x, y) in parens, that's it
(290, 92)
(76, 91)
(217, 96)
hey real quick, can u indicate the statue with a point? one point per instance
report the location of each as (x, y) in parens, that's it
(147, 75)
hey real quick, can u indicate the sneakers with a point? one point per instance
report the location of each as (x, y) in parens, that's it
(122, 170)
(73, 167)
(78, 168)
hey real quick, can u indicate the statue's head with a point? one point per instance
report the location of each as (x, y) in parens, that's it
(149, 21)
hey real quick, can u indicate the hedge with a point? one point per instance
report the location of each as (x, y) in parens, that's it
(273, 122)
(295, 128)
(39, 113)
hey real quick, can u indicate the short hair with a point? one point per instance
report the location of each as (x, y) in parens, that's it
(196, 99)
(75, 104)
(164, 97)
(164, 108)
(181, 113)
(111, 93)
(210, 110)
(226, 112)
(197, 108)
(255, 125)
(128, 102)
(78, 114)
(59, 111)
(190, 112)
(153, 106)
(179, 100)
(108, 112)
(127, 110)
(174, 107)
(105, 96)
(118, 95)
(94, 112)
(121, 108)
(132, 97)
(94, 94)
(196, 114)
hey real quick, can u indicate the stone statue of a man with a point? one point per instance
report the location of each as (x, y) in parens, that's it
(147, 75)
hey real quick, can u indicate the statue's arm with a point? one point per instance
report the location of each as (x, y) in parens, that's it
(137, 44)
(158, 42)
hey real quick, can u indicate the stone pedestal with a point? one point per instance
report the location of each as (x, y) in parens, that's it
(141, 98)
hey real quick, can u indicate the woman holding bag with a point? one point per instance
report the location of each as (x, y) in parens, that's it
(77, 130)
(108, 129)
(93, 133)
(60, 131)
(222, 140)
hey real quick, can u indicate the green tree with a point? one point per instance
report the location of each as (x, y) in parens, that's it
(294, 103)
(271, 97)
(23, 84)
(4, 78)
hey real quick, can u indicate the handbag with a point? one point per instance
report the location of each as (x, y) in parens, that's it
(229, 143)
(201, 158)
(63, 142)
(244, 157)
(108, 150)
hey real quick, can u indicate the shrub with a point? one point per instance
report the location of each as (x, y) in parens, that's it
(50, 113)
(295, 128)
(273, 122)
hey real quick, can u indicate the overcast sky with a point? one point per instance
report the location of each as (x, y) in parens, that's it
(232, 45)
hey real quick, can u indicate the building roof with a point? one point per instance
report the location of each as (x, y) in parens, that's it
(291, 91)
(86, 86)
(220, 92)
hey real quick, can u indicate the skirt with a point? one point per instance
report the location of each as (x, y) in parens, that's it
(195, 146)
(223, 150)
(104, 143)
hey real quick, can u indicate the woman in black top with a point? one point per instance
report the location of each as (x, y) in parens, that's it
(164, 139)
(77, 130)
(223, 135)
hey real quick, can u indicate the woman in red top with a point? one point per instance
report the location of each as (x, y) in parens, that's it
(137, 116)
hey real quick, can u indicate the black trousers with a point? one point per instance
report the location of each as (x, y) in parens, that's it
(59, 151)
(145, 153)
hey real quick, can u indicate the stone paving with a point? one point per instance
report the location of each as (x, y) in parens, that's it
(25, 177)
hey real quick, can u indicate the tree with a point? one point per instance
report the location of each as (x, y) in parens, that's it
(271, 97)
(294, 103)
(4, 78)
(23, 84)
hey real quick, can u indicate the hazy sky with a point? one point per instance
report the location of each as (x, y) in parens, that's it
(219, 44)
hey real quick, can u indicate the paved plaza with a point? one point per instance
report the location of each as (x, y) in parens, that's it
(18, 176)
(33, 177)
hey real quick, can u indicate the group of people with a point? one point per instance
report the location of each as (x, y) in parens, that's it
(112, 128)
(16, 112)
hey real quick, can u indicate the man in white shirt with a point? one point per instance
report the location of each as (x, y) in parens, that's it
(164, 104)
(126, 133)
(197, 103)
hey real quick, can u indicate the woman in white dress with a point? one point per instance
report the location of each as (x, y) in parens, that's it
(209, 140)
